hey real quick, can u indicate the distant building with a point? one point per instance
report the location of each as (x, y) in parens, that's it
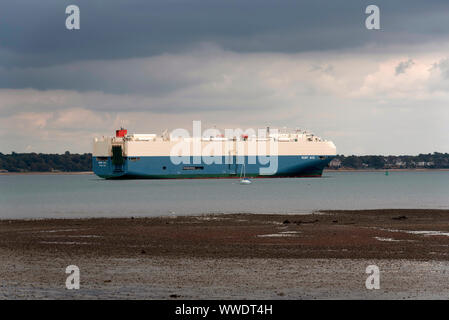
(424, 164)
(335, 163)
(400, 163)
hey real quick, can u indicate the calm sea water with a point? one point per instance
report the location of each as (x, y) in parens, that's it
(75, 196)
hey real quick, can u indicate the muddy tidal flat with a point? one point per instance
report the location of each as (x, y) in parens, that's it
(234, 256)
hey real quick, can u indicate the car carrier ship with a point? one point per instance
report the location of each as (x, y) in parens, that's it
(149, 156)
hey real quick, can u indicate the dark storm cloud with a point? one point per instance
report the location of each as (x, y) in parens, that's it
(34, 41)
(124, 76)
(35, 30)
(403, 66)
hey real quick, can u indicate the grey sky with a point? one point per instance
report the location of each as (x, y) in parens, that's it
(138, 28)
(161, 64)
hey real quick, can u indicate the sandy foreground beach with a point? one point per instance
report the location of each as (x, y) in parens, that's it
(239, 256)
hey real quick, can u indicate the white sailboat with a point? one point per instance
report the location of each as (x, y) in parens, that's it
(243, 178)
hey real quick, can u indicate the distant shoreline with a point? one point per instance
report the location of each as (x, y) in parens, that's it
(382, 170)
(45, 173)
(325, 170)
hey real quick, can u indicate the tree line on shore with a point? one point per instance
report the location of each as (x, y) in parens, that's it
(40, 162)
(68, 162)
(434, 160)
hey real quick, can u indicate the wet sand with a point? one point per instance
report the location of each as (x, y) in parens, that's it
(321, 255)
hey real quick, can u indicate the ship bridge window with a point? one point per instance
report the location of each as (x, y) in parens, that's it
(102, 158)
(134, 158)
(322, 157)
(193, 168)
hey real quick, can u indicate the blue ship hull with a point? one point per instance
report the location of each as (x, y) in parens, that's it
(163, 168)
